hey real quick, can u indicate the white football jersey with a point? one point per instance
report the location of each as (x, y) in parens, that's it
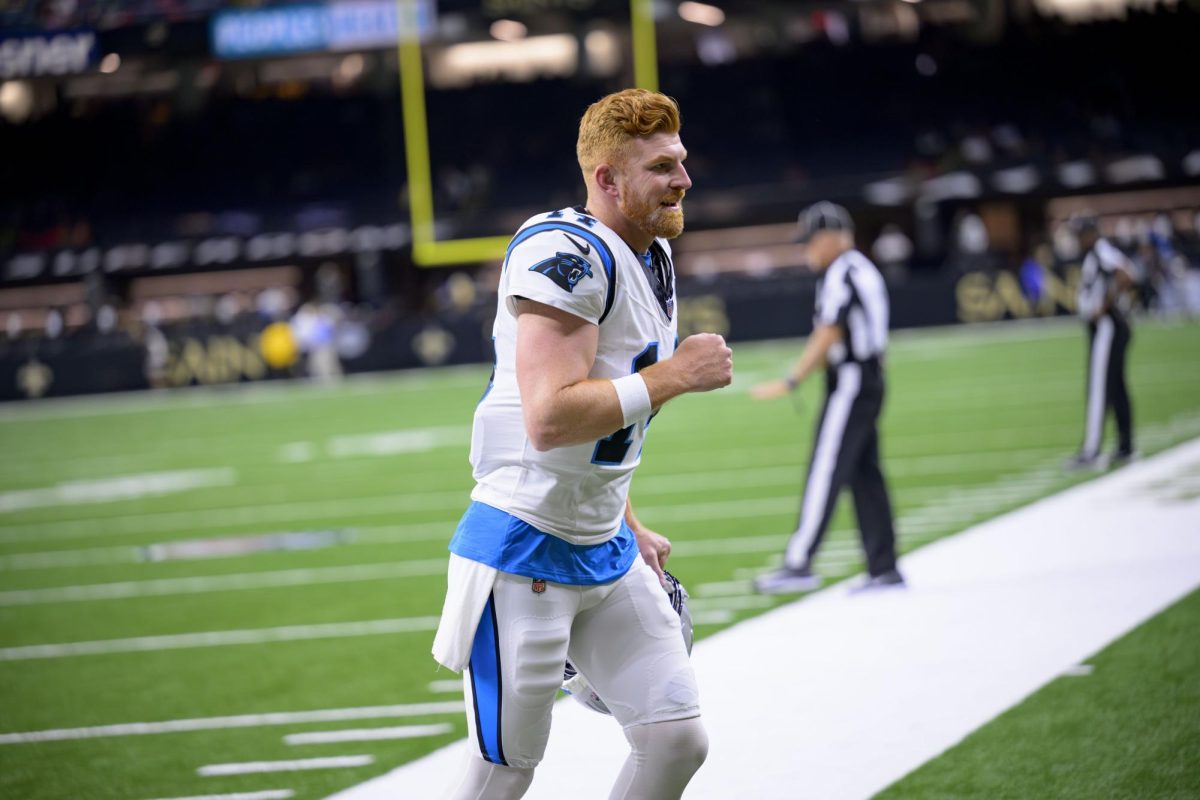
(572, 261)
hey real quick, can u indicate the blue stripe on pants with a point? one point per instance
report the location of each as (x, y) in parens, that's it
(486, 685)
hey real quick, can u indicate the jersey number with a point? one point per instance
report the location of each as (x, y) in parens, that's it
(613, 449)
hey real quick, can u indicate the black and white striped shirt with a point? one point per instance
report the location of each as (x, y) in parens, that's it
(852, 294)
(1096, 279)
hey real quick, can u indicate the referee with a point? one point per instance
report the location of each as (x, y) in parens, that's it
(850, 333)
(1104, 283)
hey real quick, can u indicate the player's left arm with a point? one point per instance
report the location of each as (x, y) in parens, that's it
(654, 547)
(815, 351)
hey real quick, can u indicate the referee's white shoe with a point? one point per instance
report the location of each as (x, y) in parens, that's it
(892, 579)
(1081, 462)
(787, 580)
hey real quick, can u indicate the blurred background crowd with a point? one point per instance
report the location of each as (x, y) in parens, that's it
(198, 191)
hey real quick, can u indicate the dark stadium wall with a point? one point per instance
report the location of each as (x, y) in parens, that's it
(739, 309)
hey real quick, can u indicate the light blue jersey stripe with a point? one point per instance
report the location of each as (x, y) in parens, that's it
(498, 539)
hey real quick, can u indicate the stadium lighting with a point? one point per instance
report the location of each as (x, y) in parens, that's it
(701, 13)
(110, 63)
(458, 65)
(16, 101)
(603, 53)
(349, 70)
(508, 30)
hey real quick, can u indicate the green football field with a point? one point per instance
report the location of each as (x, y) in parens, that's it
(197, 579)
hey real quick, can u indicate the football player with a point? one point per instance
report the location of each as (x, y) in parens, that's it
(549, 562)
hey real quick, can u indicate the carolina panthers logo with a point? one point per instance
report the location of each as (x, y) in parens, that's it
(565, 269)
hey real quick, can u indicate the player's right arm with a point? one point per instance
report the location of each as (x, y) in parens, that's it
(814, 355)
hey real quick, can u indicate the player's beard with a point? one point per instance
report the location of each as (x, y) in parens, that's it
(653, 217)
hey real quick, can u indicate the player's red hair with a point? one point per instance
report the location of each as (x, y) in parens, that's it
(613, 121)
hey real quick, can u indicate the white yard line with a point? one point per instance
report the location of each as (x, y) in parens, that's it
(370, 734)
(454, 686)
(255, 393)
(181, 641)
(240, 721)
(160, 587)
(116, 488)
(266, 794)
(131, 554)
(869, 687)
(83, 557)
(201, 519)
(295, 765)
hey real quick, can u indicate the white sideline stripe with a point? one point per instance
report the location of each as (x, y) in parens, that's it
(119, 487)
(370, 734)
(266, 794)
(221, 583)
(241, 721)
(295, 765)
(180, 641)
(991, 615)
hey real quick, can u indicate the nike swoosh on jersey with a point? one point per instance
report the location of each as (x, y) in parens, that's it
(582, 247)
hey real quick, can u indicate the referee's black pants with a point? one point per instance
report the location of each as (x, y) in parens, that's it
(846, 452)
(1108, 342)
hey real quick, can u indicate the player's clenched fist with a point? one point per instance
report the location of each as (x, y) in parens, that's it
(706, 361)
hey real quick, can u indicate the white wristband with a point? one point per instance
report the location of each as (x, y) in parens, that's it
(634, 398)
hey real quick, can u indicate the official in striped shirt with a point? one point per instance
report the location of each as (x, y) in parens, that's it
(1104, 283)
(850, 335)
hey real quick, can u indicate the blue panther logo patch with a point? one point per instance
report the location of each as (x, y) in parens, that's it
(565, 269)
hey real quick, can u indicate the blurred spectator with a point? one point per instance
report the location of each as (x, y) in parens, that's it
(1032, 273)
(315, 328)
(157, 354)
(969, 242)
(970, 235)
(1065, 244)
(273, 304)
(106, 319)
(53, 327)
(892, 250)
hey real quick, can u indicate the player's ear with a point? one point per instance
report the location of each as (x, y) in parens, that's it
(606, 178)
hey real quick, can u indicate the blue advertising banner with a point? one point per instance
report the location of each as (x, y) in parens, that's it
(358, 24)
